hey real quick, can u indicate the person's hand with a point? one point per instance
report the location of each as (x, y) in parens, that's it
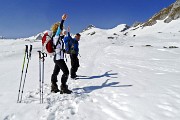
(64, 17)
(64, 50)
(68, 29)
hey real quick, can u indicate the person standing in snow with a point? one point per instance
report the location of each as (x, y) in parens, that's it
(74, 43)
(59, 60)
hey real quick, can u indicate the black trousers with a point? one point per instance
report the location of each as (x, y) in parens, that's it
(74, 64)
(60, 65)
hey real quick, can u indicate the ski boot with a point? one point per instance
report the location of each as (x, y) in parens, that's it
(65, 90)
(74, 77)
(54, 88)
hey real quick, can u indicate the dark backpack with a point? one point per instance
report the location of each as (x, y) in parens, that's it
(69, 45)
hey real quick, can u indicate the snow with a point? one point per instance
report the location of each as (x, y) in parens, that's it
(118, 82)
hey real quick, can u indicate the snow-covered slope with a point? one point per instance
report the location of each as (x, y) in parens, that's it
(118, 82)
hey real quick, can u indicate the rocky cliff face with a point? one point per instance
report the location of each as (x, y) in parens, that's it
(167, 14)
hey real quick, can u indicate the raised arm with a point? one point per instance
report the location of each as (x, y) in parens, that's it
(60, 28)
(69, 32)
(62, 24)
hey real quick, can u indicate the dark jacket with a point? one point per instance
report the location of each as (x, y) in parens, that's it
(73, 42)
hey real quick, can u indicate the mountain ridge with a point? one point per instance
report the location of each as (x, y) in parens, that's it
(168, 14)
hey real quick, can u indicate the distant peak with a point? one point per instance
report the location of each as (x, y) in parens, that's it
(89, 27)
(121, 27)
(2, 37)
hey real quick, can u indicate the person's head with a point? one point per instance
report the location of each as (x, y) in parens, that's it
(64, 32)
(78, 36)
(55, 27)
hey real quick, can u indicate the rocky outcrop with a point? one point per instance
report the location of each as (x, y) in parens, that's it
(89, 27)
(167, 14)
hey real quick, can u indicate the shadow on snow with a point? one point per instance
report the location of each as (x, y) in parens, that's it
(106, 74)
(90, 89)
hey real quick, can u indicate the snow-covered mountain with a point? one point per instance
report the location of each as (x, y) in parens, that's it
(167, 14)
(35, 37)
(2, 37)
(163, 22)
(127, 74)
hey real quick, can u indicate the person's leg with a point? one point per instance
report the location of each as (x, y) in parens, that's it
(62, 65)
(77, 64)
(64, 68)
(55, 74)
(54, 86)
(73, 66)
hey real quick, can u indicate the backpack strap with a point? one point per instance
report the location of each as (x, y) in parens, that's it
(58, 42)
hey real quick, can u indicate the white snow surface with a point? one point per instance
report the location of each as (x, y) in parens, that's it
(118, 82)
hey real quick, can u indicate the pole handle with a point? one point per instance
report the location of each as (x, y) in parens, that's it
(26, 50)
(30, 51)
(43, 56)
(39, 54)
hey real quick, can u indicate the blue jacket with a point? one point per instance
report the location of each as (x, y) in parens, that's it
(74, 42)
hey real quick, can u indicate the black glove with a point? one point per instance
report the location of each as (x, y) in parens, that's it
(64, 50)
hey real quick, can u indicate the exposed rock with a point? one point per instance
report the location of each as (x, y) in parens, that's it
(110, 37)
(115, 34)
(126, 27)
(167, 14)
(93, 33)
(89, 27)
(173, 47)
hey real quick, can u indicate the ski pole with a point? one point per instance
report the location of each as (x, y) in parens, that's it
(43, 59)
(24, 60)
(42, 76)
(26, 72)
(39, 74)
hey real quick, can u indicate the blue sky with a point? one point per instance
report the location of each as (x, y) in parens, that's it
(23, 18)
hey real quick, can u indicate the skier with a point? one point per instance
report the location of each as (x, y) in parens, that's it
(59, 60)
(74, 43)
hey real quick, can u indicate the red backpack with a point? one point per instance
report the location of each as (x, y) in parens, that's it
(47, 43)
